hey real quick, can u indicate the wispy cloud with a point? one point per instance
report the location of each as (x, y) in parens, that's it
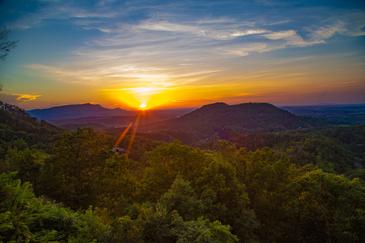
(152, 50)
(19, 99)
(247, 49)
(222, 30)
(26, 97)
(167, 44)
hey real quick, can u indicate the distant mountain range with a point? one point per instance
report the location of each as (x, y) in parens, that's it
(76, 111)
(97, 116)
(217, 118)
(353, 114)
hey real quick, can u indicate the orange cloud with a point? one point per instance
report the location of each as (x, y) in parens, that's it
(26, 97)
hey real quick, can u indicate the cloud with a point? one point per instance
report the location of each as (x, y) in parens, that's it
(114, 74)
(283, 39)
(291, 38)
(178, 44)
(83, 16)
(166, 26)
(222, 30)
(326, 32)
(159, 51)
(317, 35)
(18, 99)
(26, 97)
(247, 49)
(287, 34)
(248, 32)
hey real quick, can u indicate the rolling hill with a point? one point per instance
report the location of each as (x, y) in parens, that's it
(221, 118)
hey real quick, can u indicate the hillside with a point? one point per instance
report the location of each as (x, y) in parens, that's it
(76, 111)
(17, 127)
(16, 119)
(221, 118)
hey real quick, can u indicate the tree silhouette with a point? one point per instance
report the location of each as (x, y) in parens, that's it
(5, 44)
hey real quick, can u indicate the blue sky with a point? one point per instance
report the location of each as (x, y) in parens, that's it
(184, 53)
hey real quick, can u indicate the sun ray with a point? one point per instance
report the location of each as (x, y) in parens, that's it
(133, 135)
(122, 135)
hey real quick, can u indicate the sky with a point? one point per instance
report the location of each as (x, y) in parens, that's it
(171, 54)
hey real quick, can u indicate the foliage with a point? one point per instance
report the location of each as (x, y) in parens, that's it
(329, 208)
(75, 162)
(182, 198)
(25, 218)
(297, 186)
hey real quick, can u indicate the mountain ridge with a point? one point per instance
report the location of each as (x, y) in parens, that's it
(76, 111)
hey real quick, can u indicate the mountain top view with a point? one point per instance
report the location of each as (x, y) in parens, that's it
(82, 167)
(133, 121)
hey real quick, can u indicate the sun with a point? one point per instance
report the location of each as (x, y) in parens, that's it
(142, 97)
(143, 106)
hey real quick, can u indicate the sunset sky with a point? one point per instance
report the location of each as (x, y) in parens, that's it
(167, 54)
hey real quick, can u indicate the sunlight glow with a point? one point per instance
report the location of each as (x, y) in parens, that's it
(146, 90)
(143, 106)
(142, 97)
(149, 96)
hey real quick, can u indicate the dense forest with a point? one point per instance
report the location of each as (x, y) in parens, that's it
(286, 186)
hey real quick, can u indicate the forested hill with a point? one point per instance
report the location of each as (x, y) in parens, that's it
(16, 123)
(74, 188)
(219, 118)
(246, 116)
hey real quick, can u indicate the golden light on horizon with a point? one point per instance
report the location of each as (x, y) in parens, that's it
(147, 96)
(141, 97)
(151, 96)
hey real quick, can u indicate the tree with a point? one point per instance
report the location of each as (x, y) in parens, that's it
(5, 44)
(167, 161)
(225, 199)
(204, 231)
(25, 218)
(27, 163)
(156, 224)
(182, 198)
(116, 184)
(70, 173)
(325, 207)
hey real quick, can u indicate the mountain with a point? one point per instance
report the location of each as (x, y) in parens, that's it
(220, 118)
(76, 111)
